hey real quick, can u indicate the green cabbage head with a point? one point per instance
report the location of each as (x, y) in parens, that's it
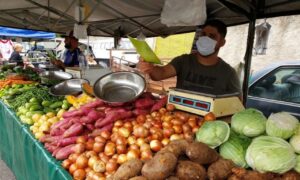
(282, 125)
(235, 149)
(295, 142)
(297, 167)
(270, 154)
(213, 133)
(249, 122)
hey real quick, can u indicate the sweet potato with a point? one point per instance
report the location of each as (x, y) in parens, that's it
(129, 169)
(60, 123)
(107, 127)
(94, 104)
(90, 127)
(177, 147)
(51, 148)
(138, 178)
(49, 139)
(220, 169)
(137, 112)
(188, 170)
(114, 110)
(94, 115)
(56, 132)
(74, 130)
(68, 124)
(111, 117)
(160, 166)
(73, 113)
(144, 103)
(160, 104)
(200, 153)
(56, 150)
(64, 152)
(67, 141)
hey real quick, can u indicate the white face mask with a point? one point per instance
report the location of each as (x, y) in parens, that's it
(205, 45)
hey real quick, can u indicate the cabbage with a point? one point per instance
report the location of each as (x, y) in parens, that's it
(213, 133)
(297, 167)
(249, 122)
(281, 125)
(295, 142)
(270, 154)
(297, 131)
(235, 149)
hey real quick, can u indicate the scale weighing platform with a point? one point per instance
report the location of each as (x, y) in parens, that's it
(201, 104)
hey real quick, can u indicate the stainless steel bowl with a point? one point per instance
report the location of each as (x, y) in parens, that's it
(54, 77)
(119, 87)
(68, 87)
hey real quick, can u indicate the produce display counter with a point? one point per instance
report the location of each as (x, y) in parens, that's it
(23, 154)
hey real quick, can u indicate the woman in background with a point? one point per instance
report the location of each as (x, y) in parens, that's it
(15, 56)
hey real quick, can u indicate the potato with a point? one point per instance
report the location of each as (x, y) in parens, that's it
(129, 169)
(220, 169)
(177, 147)
(188, 170)
(200, 153)
(138, 178)
(160, 166)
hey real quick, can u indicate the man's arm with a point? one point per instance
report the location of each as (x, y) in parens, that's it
(158, 73)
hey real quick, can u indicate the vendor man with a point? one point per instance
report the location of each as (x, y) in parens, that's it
(202, 71)
(71, 55)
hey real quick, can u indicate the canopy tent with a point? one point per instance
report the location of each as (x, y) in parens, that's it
(107, 17)
(14, 32)
(128, 17)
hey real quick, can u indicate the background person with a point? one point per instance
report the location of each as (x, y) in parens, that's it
(15, 56)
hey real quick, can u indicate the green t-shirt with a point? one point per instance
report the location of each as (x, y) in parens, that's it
(218, 79)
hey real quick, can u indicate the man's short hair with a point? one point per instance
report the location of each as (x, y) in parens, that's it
(219, 25)
(17, 45)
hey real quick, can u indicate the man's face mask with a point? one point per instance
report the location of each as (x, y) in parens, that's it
(206, 45)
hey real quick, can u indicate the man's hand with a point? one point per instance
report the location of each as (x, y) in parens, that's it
(144, 66)
(58, 63)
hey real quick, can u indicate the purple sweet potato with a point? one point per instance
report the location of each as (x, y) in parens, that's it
(56, 150)
(56, 132)
(144, 103)
(60, 123)
(160, 104)
(64, 152)
(67, 141)
(51, 148)
(94, 115)
(94, 104)
(90, 127)
(107, 127)
(49, 139)
(74, 130)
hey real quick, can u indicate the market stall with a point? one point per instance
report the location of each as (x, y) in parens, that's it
(150, 136)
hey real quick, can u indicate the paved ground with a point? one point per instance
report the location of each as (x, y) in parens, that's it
(5, 172)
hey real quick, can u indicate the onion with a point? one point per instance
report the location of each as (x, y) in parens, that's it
(98, 147)
(122, 158)
(114, 137)
(82, 162)
(167, 118)
(100, 139)
(177, 129)
(103, 157)
(176, 122)
(141, 119)
(115, 129)
(92, 161)
(134, 146)
(81, 139)
(147, 125)
(168, 132)
(90, 154)
(154, 114)
(73, 157)
(79, 174)
(141, 131)
(157, 124)
(121, 149)
(133, 154)
(115, 156)
(98, 176)
(186, 128)
(195, 129)
(66, 163)
(89, 144)
(105, 134)
(165, 141)
(73, 168)
(145, 147)
(140, 141)
(99, 166)
(120, 141)
(162, 110)
(189, 136)
(182, 116)
(118, 123)
(146, 155)
(209, 117)
(131, 140)
(167, 124)
(124, 132)
(192, 123)
(79, 148)
(158, 135)
(111, 166)
(175, 137)
(155, 145)
(110, 149)
(170, 107)
(87, 170)
(134, 123)
(128, 126)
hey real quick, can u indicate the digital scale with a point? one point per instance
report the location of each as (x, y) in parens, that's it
(201, 103)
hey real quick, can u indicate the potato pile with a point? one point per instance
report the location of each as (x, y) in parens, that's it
(180, 159)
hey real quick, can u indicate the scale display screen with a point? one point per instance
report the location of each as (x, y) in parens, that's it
(192, 103)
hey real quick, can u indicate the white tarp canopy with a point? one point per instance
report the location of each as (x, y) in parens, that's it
(127, 17)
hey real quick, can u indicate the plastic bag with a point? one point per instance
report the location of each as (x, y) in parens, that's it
(184, 13)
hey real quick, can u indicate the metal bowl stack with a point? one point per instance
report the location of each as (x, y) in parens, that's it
(54, 77)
